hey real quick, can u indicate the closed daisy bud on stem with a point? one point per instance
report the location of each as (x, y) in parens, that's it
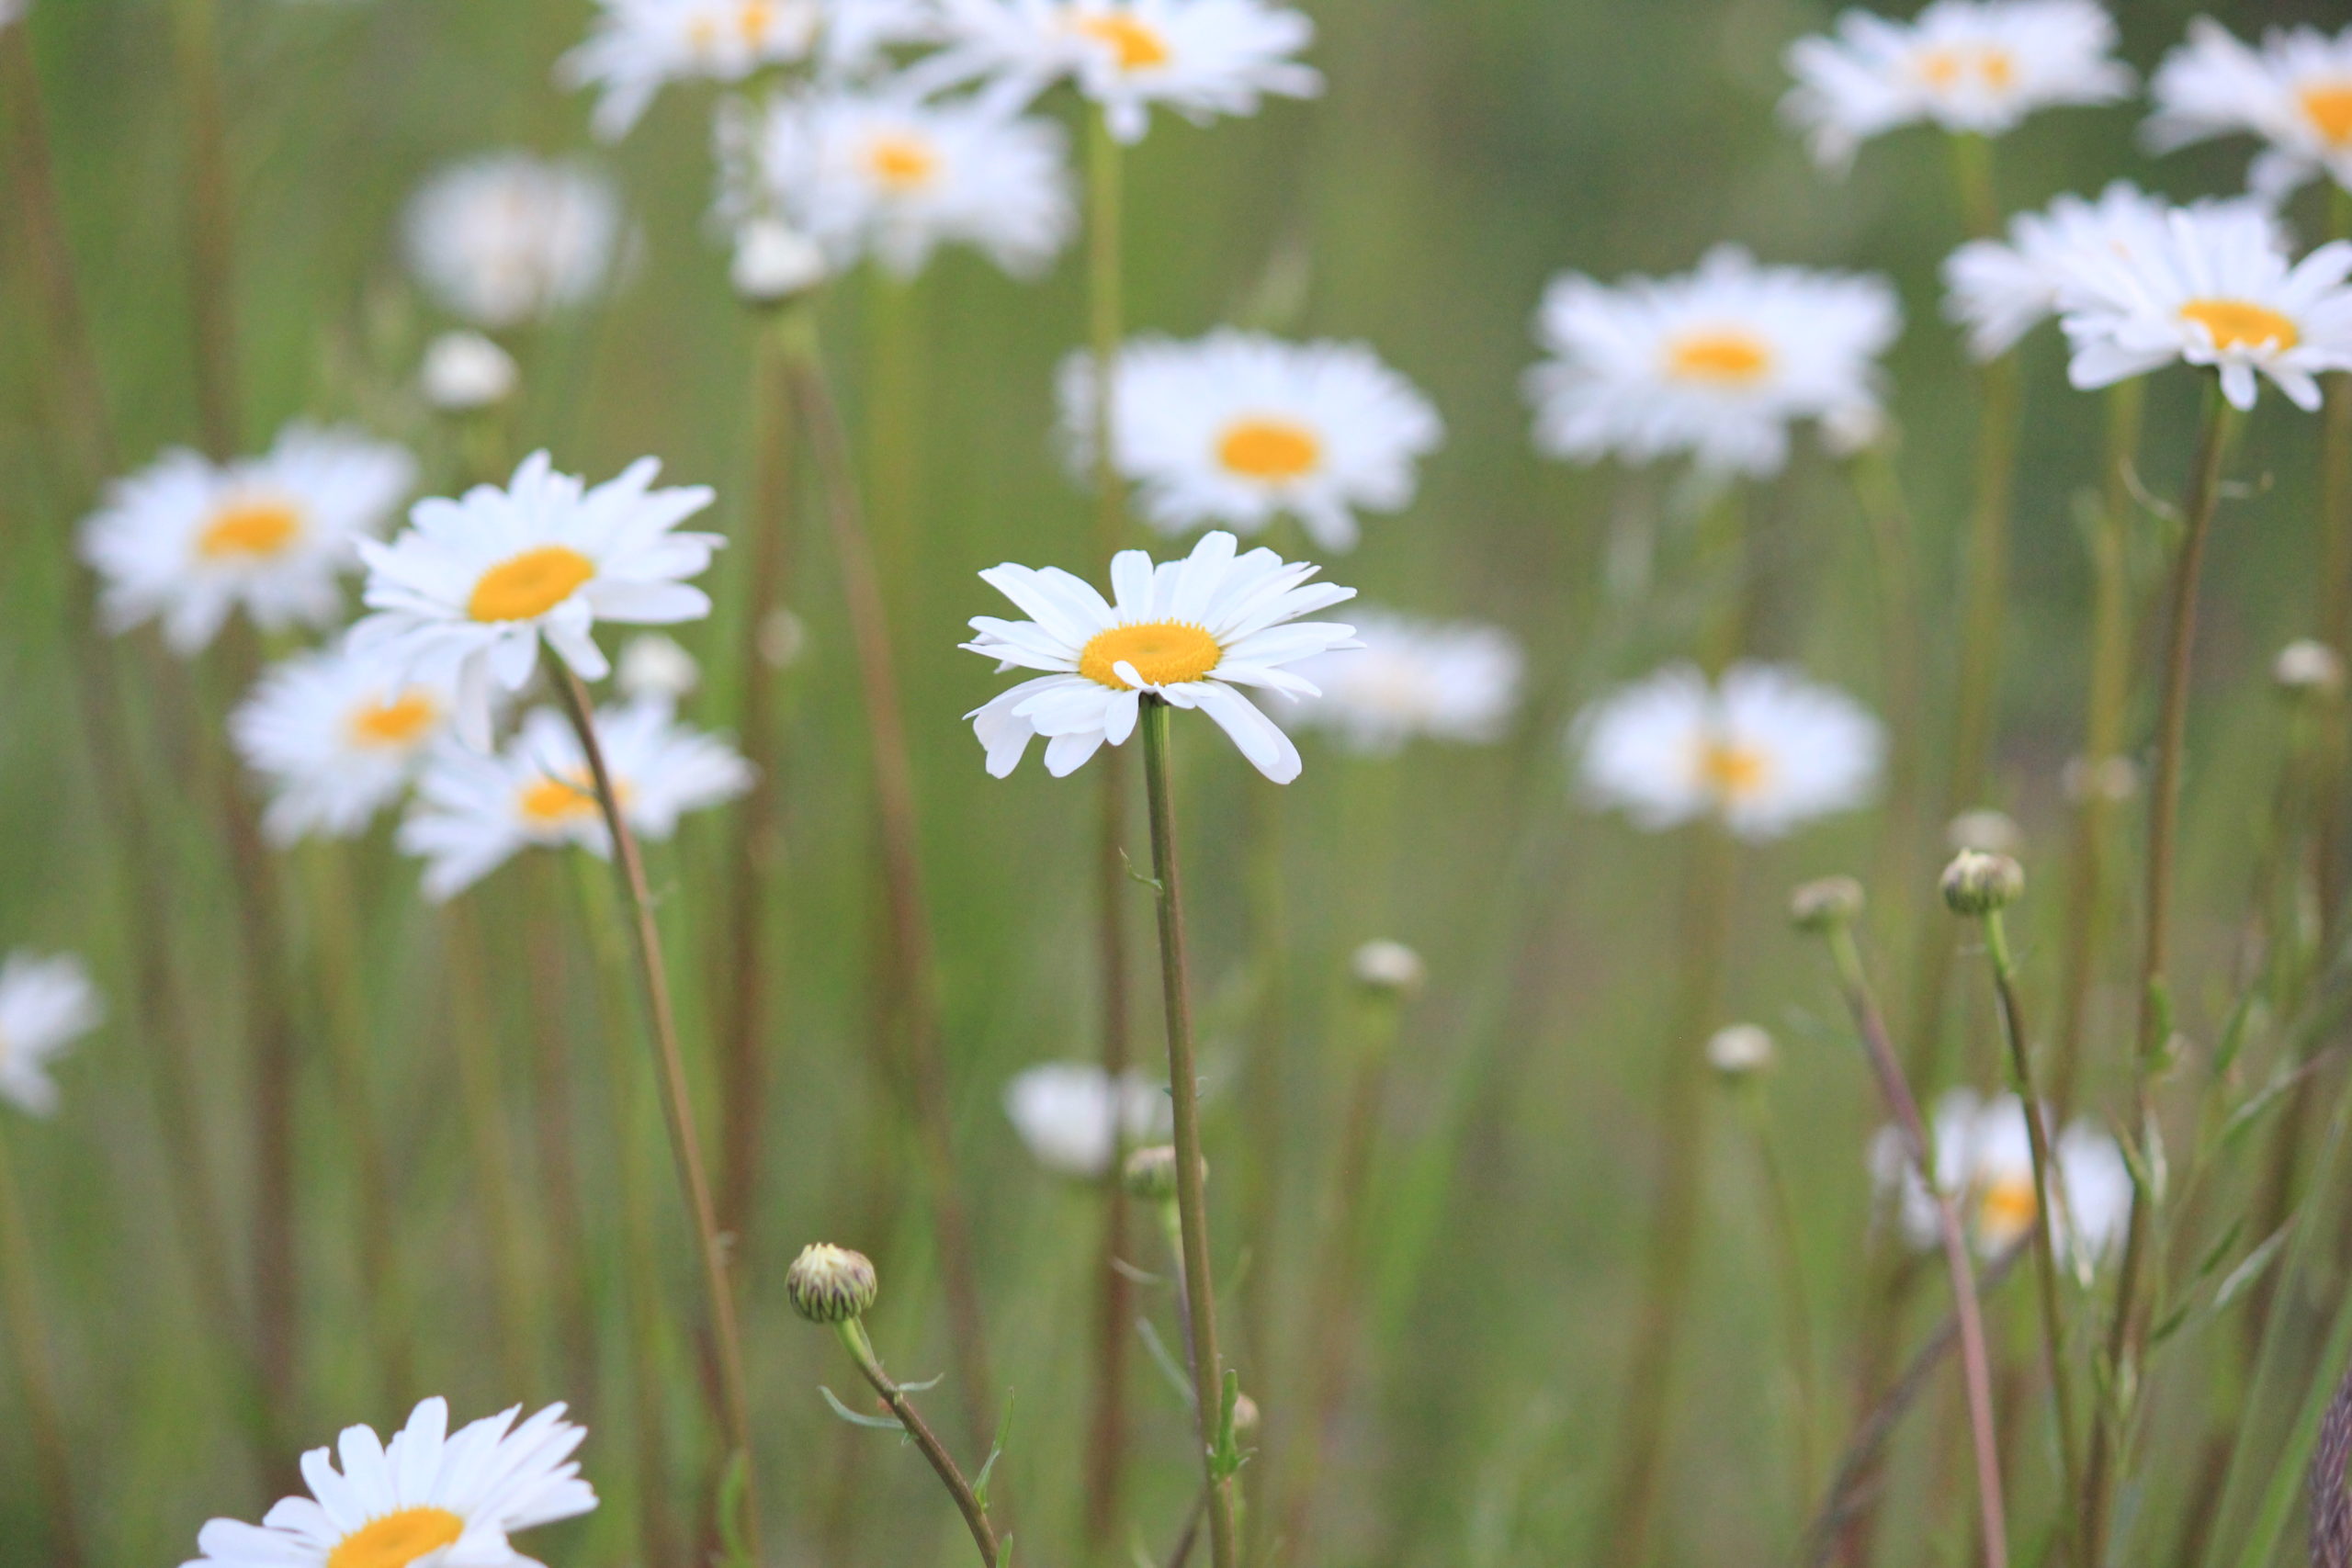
(830, 1284)
(774, 264)
(1388, 969)
(465, 372)
(1827, 905)
(1977, 884)
(1150, 1174)
(1739, 1051)
(2309, 671)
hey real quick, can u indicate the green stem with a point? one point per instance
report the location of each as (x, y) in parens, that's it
(968, 1501)
(2335, 587)
(1183, 1080)
(211, 226)
(1878, 491)
(1780, 1216)
(29, 1335)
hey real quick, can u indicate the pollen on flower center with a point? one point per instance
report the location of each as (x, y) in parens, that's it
(900, 161)
(1134, 44)
(1945, 69)
(398, 1540)
(2329, 105)
(250, 530)
(529, 585)
(400, 722)
(1164, 653)
(1728, 357)
(551, 802)
(1731, 771)
(2238, 323)
(2006, 1209)
(1271, 450)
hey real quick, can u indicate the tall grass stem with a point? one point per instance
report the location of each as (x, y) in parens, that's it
(29, 1337)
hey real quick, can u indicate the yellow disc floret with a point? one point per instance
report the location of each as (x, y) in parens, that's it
(1726, 358)
(250, 531)
(1164, 653)
(1270, 450)
(2240, 324)
(529, 585)
(398, 1540)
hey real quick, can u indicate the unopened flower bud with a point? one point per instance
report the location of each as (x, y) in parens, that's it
(1978, 883)
(829, 1284)
(1389, 967)
(1150, 1174)
(1739, 1050)
(775, 262)
(1853, 429)
(783, 637)
(1825, 905)
(464, 373)
(1994, 832)
(2309, 670)
(654, 666)
(1245, 1415)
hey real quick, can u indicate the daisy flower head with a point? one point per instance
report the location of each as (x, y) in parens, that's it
(2001, 289)
(46, 1004)
(884, 173)
(1977, 66)
(2213, 287)
(1718, 363)
(336, 741)
(1073, 1116)
(858, 35)
(2294, 93)
(1415, 678)
(1239, 428)
(186, 541)
(465, 595)
(475, 811)
(428, 1496)
(510, 238)
(1763, 751)
(1984, 1158)
(1190, 633)
(638, 47)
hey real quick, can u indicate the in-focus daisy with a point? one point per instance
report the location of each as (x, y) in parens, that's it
(475, 811)
(884, 173)
(1201, 58)
(638, 47)
(1967, 65)
(46, 1004)
(428, 1497)
(2295, 93)
(336, 740)
(463, 597)
(1763, 751)
(1239, 428)
(2215, 288)
(188, 540)
(1072, 1115)
(2001, 290)
(1985, 1158)
(508, 238)
(1413, 678)
(1191, 632)
(1717, 363)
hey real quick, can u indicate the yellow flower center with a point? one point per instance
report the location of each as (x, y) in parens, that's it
(1945, 69)
(2329, 105)
(403, 721)
(250, 531)
(751, 19)
(397, 1540)
(551, 803)
(2238, 323)
(1731, 771)
(529, 585)
(901, 163)
(2007, 1210)
(1729, 357)
(1134, 44)
(1271, 450)
(1163, 652)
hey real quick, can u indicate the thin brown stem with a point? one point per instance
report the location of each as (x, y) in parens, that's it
(2335, 585)
(29, 1335)
(968, 1501)
(212, 230)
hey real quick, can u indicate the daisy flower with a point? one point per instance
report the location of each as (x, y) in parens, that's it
(464, 597)
(2001, 290)
(2214, 286)
(638, 47)
(1201, 58)
(1977, 66)
(474, 811)
(2295, 93)
(1072, 1115)
(508, 238)
(1717, 363)
(1985, 1159)
(858, 35)
(426, 1497)
(1189, 632)
(337, 742)
(187, 540)
(1763, 751)
(884, 173)
(1454, 682)
(46, 1004)
(1239, 428)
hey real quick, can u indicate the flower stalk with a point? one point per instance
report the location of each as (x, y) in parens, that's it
(211, 225)
(968, 1503)
(27, 1333)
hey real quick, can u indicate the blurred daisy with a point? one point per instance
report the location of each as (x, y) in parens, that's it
(1200, 58)
(886, 175)
(508, 238)
(2214, 288)
(1985, 1158)
(1191, 632)
(426, 1497)
(1413, 678)
(2002, 290)
(2295, 93)
(858, 35)
(474, 811)
(187, 541)
(46, 1004)
(653, 668)
(1239, 428)
(1072, 1115)
(1763, 751)
(465, 595)
(1717, 363)
(337, 742)
(1967, 65)
(638, 47)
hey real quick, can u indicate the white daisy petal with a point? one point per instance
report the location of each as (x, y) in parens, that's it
(46, 1004)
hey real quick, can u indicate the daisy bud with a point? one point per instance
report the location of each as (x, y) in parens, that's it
(1388, 969)
(1993, 832)
(1150, 1174)
(774, 264)
(1739, 1051)
(1854, 428)
(2309, 671)
(1825, 905)
(2111, 779)
(653, 666)
(829, 1284)
(1978, 883)
(783, 637)
(466, 373)
(1245, 1415)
